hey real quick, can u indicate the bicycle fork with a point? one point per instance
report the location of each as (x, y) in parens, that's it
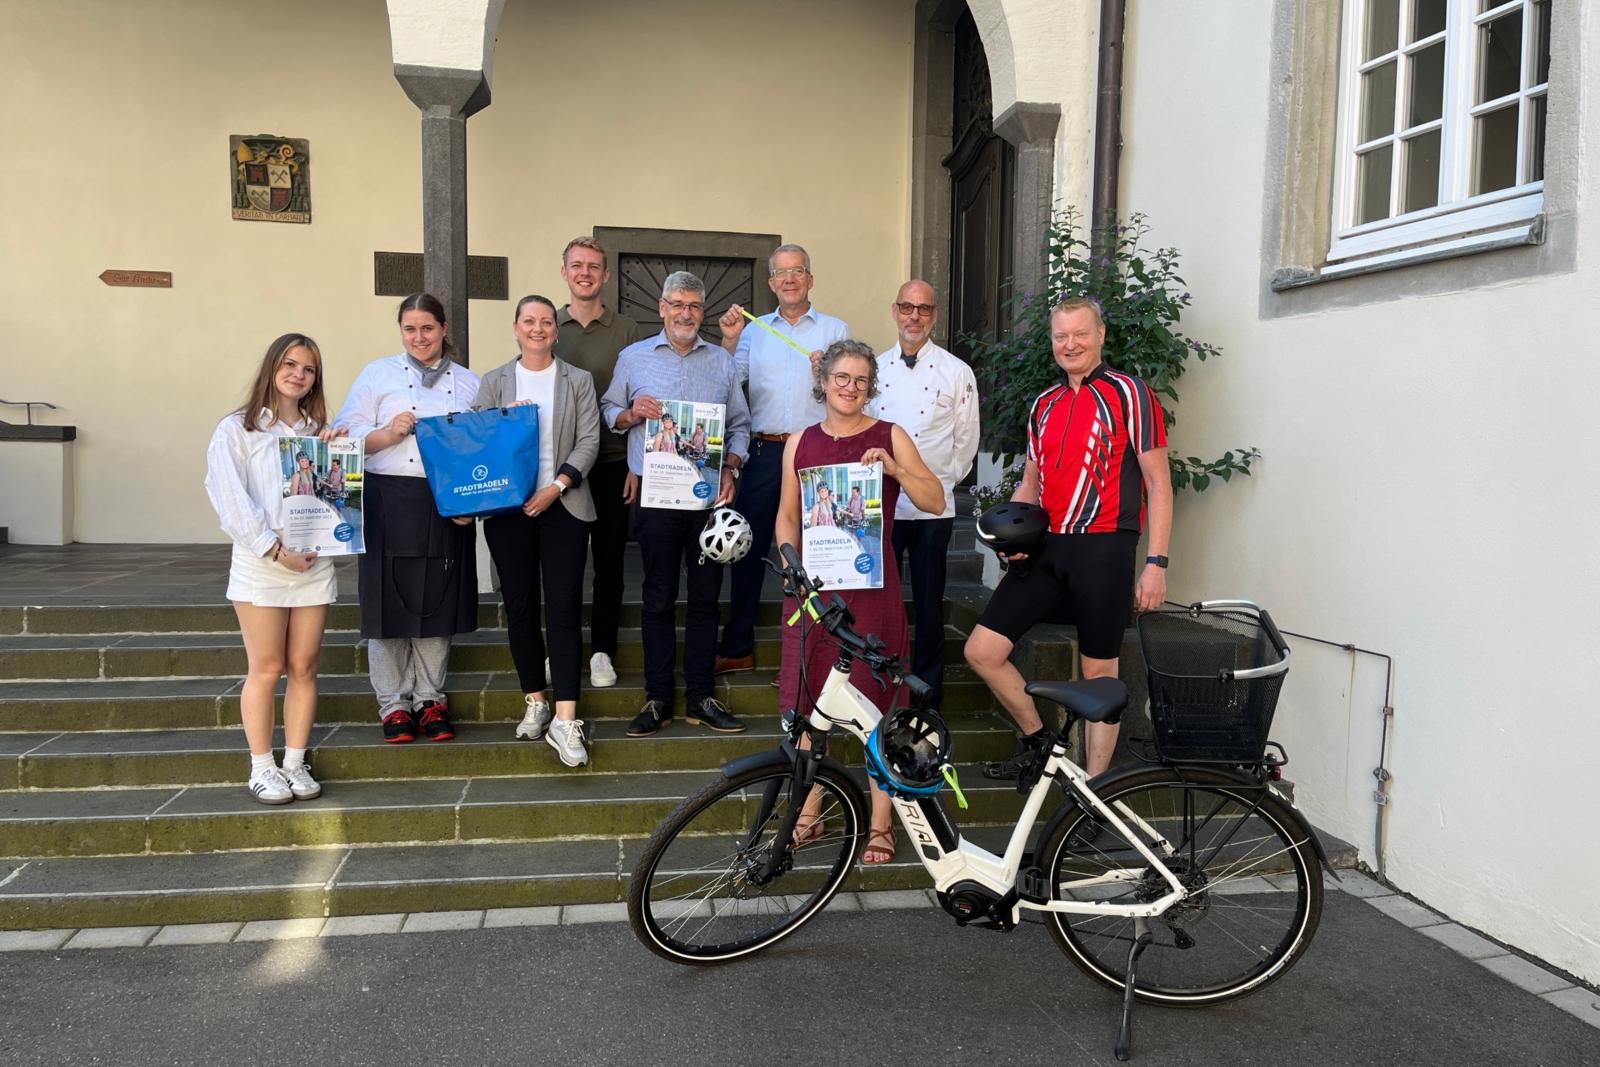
(800, 784)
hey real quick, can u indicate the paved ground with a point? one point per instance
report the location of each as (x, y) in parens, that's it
(879, 987)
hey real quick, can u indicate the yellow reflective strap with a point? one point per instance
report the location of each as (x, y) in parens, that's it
(949, 773)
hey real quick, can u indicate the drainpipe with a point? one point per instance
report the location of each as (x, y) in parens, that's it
(1107, 125)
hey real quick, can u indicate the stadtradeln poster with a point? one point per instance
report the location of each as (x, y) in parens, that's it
(321, 495)
(841, 524)
(682, 456)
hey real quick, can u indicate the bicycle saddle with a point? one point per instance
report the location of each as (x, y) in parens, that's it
(1091, 699)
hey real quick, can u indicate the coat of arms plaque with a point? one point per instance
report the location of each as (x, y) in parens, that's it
(271, 178)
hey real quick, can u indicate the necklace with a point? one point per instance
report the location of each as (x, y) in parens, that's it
(860, 425)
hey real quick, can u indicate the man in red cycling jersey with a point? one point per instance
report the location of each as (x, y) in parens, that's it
(1096, 457)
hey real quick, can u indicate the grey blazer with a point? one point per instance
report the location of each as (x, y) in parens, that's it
(576, 429)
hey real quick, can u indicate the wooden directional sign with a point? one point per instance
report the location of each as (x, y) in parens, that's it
(138, 279)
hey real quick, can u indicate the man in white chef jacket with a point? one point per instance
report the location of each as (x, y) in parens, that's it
(932, 395)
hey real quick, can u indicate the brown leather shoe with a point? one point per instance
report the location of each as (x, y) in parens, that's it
(729, 664)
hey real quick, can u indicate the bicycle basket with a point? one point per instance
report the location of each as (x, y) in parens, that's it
(1201, 714)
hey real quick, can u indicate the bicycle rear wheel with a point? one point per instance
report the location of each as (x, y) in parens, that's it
(1255, 890)
(696, 895)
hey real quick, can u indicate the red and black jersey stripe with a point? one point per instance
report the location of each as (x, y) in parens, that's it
(1086, 443)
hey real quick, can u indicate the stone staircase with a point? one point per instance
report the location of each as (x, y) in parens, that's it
(122, 769)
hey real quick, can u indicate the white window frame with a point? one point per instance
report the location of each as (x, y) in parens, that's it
(1460, 221)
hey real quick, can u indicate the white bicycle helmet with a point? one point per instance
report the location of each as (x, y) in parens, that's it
(726, 538)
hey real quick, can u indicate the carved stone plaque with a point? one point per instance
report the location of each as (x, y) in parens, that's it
(400, 274)
(271, 178)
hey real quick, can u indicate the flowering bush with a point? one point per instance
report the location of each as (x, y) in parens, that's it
(1141, 299)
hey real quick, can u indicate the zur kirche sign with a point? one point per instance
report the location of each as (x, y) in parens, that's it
(138, 279)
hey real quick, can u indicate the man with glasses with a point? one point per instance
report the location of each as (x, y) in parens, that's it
(780, 381)
(677, 364)
(590, 336)
(932, 395)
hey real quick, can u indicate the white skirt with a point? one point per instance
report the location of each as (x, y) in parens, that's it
(259, 581)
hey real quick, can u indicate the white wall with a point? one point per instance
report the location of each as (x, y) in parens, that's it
(1426, 490)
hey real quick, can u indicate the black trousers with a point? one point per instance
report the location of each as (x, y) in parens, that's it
(928, 542)
(669, 541)
(608, 537)
(760, 486)
(550, 546)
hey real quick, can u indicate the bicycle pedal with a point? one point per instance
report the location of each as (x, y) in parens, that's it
(1033, 886)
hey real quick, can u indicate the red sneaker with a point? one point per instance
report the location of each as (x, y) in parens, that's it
(434, 718)
(399, 727)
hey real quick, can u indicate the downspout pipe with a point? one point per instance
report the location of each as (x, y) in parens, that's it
(1107, 125)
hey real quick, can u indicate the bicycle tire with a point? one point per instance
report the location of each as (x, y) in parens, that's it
(1236, 933)
(691, 899)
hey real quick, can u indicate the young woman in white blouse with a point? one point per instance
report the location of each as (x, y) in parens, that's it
(280, 596)
(541, 549)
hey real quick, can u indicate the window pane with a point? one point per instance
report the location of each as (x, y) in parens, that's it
(1500, 57)
(1422, 172)
(1427, 85)
(1377, 101)
(1541, 42)
(1536, 139)
(1383, 27)
(1372, 194)
(1495, 150)
(1427, 18)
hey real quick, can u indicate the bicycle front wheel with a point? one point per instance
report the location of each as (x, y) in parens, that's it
(1254, 887)
(699, 893)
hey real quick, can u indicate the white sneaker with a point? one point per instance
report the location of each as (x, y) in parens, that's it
(534, 719)
(270, 787)
(566, 737)
(602, 675)
(301, 784)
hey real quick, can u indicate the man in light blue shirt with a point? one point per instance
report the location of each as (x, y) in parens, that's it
(677, 364)
(780, 381)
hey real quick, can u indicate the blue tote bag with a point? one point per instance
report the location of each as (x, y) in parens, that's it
(480, 462)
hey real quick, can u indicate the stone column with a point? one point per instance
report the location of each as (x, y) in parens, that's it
(1032, 129)
(447, 98)
(443, 55)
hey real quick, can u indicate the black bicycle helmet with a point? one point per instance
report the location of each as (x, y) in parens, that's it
(1014, 527)
(908, 751)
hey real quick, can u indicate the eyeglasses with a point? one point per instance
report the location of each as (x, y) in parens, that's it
(789, 272)
(843, 379)
(680, 305)
(924, 310)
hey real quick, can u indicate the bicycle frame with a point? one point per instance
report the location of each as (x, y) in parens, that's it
(950, 858)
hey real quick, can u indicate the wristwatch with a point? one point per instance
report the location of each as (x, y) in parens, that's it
(1159, 561)
(561, 487)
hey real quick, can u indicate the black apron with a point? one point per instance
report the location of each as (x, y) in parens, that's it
(419, 575)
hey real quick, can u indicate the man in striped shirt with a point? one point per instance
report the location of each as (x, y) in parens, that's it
(1096, 459)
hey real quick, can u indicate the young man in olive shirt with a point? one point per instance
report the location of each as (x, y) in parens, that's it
(590, 336)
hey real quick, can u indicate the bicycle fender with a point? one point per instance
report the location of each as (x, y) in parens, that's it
(777, 757)
(1200, 776)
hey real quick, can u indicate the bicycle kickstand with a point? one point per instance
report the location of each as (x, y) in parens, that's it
(1141, 941)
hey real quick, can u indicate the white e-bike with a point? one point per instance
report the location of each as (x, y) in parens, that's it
(1185, 884)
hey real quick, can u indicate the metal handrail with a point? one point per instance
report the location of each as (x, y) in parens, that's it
(30, 405)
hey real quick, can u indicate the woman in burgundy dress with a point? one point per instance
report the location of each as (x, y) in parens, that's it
(847, 377)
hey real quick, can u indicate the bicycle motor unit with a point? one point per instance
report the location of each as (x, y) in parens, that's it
(972, 904)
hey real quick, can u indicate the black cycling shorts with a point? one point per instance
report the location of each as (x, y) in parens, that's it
(1085, 580)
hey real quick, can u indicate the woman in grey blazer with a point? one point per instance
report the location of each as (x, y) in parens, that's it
(544, 544)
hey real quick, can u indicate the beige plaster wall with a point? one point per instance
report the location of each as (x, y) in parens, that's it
(707, 115)
(1416, 494)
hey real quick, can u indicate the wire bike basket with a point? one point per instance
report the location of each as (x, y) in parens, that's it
(1215, 670)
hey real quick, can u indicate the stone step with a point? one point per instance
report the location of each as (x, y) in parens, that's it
(112, 822)
(192, 703)
(213, 615)
(54, 657)
(141, 759)
(373, 880)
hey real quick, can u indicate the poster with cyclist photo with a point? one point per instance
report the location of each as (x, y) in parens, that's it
(682, 456)
(321, 509)
(841, 524)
